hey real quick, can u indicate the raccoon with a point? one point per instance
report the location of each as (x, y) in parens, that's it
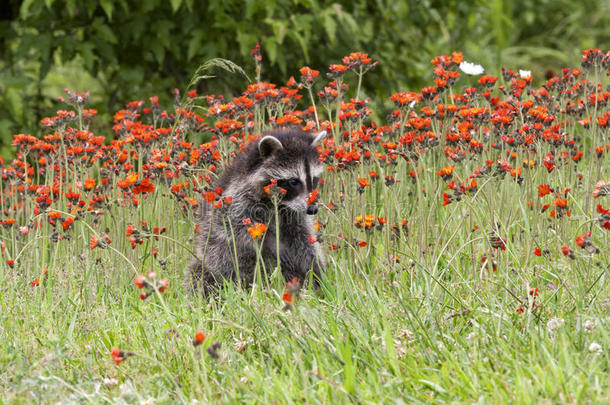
(224, 247)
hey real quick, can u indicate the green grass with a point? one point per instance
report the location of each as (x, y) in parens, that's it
(414, 316)
(433, 328)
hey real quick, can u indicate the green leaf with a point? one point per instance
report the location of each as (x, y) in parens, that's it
(194, 44)
(434, 386)
(270, 46)
(71, 6)
(245, 41)
(175, 4)
(279, 30)
(14, 104)
(299, 39)
(104, 31)
(25, 7)
(107, 6)
(330, 26)
(158, 51)
(87, 53)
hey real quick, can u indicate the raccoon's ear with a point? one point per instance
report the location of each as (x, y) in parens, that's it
(268, 145)
(318, 138)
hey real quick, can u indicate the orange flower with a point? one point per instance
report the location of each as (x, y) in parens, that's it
(89, 184)
(257, 230)
(602, 188)
(209, 197)
(363, 182)
(145, 186)
(288, 298)
(313, 196)
(307, 71)
(543, 190)
(457, 57)
(118, 355)
(199, 338)
(140, 281)
(129, 181)
(567, 252)
(584, 240)
(66, 224)
(446, 172)
(292, 292)
(335, 68)
(94, 242)
(163, 284)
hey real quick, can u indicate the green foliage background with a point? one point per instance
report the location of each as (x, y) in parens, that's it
(126, 49)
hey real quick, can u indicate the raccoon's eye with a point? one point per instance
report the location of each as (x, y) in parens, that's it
(294, 182)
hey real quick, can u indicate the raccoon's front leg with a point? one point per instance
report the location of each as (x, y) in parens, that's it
(271, 246)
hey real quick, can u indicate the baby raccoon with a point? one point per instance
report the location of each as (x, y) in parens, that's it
(226, 250)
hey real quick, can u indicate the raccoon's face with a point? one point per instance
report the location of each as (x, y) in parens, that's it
(293, 161)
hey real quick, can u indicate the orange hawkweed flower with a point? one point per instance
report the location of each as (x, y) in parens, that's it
(336, 68)
(602, 188)
(129, 181)
(446, 172)
(145, 186)
(67, 223)
(199, 338)
(90, 183)
(313, 196)
(307, 71)
(363, 182)
(567, 252)
(543, 190)
(257, 230)
(94, 242)
(163, 284)
(118, 355)
(292, 291)
(584, 242)
(140, 281)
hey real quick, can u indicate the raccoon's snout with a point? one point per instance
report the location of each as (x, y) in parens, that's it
(312, 209)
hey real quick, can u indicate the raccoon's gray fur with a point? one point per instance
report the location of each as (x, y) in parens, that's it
(225, 249)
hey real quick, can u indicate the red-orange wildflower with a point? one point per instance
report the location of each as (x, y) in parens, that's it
(257, 230)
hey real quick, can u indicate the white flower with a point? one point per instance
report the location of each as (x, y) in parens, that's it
(590, 325)
(595, 348)
(110, 382)
(406, 334)
(471, 68)
(525, 73)
(553, 324)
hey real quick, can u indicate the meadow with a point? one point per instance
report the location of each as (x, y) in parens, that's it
(466, 234)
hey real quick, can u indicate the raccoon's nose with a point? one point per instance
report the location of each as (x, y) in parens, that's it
(312, 209)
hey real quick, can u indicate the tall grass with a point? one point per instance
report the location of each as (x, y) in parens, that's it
(453, 305)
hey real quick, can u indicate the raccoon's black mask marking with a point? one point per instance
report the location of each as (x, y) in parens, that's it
(292, 186)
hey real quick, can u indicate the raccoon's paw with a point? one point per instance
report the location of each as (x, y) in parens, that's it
(286, 261)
